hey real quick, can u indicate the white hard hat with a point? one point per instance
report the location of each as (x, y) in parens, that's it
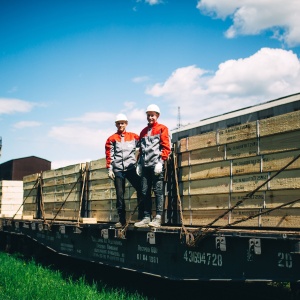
(153, 107)
(121, 117)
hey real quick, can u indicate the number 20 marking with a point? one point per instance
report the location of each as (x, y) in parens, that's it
(285, 260)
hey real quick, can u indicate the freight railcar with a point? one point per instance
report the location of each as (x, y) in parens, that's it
(232, 207)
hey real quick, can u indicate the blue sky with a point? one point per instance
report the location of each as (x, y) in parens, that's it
(68, 67)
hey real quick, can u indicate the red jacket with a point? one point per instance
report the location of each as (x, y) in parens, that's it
(155, 145)
(120, 151)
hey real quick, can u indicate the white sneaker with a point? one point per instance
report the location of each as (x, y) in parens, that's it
(156, 222)
(144, 223)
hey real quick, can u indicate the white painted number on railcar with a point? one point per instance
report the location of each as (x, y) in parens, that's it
(209, 259)
(285, 260)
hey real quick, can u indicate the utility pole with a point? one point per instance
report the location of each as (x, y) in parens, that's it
(0, 145)
(178, 118)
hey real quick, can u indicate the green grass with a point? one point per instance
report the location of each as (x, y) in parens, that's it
(22, 280)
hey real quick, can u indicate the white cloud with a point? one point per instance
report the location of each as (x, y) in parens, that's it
(266, 75)
(77, 135)
(251, 17)
(11, 106)
(24, 124)
(140, 79)
(94, 117)
(129, 105)
(153, 2)
(133, 114)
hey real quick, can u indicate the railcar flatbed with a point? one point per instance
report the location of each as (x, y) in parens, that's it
(227, 254)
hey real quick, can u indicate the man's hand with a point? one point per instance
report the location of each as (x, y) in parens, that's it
(111, 174)
(158, 168)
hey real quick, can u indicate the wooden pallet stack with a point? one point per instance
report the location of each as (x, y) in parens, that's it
(30, 193)
(217, 169)
(11, 198)
(102, 194)
(60, 193)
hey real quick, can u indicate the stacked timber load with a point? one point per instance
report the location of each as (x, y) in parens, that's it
(218, 169)
(11, 198)
(57, 195)
(62, 191)
(77, 192)
(31, 192)
(102, 194)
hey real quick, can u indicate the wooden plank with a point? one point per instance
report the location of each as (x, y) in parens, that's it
(238, 133)
(242, 149)
(282, 123)
(63, 215)
(64, 171)
(12, 198)
(99, 194)
(100, 184)
(11, 208)
(97, 164)
(280, 142)
(51, 181)
(102, 204)
(98, 174)
(30, 213)
(29, 207)
(198, 141)
(11, 185)
(286, 180)
(62, 197)
(31, 178)
(55, 206)
(283, 218)
(88, 220)
(29, 185)
(197, 202)
(256, 201)
(279, 197)
(30, 199)
(248, 183)
(201, 156)
(104, 216)
(71, 178)
(205, 186)
(62, 188)
(246, 165)
(209, 170)
(27, 193)
(50, 174)
(222, 201)
(242, 214)
(204, 217)
(276, 161)
(27, 217)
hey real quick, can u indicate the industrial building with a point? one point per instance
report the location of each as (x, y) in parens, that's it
(16, 169)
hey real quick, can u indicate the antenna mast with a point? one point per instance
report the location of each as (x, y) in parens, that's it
(178, 118)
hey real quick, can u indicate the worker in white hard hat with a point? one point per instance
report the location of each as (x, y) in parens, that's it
(155, 148)
(120, 149)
